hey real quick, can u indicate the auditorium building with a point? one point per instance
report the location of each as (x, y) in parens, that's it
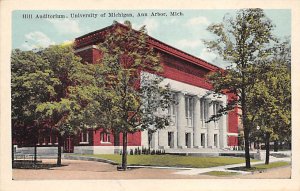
(185, 75)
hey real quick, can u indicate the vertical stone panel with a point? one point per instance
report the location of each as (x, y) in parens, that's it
(196, 127)
(210, 126)
(181, 122)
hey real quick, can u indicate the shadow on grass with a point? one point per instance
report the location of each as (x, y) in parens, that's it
(220, 173)
(262, 167)
(245, 169)
(25, 164)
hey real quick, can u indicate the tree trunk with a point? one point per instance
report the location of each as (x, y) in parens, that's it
(247, 148)
(245, 124)
(280, 145)
(124, 153)
(35, 143)
(276, 146)
(59, 150)
(12, 152)
(35, 153)
(267, 148)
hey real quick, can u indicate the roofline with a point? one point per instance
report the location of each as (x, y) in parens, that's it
(184, 55)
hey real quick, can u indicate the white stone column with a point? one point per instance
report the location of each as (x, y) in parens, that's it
(181, 121)
(155, 140)
(175, 140)
(223, 132)
(210, 126)
(196, 123)
(163, 139)
(145, 141)
(205, 140)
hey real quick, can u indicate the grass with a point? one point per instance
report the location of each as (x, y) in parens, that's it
(172, 160)
(261, 167)
(220, 173)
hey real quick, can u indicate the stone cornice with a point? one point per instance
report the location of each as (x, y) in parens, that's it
(97, 36)
(181, 54)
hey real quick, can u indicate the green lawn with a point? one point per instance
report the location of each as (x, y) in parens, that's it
(173, 160)
(263, 166)
(221, 173)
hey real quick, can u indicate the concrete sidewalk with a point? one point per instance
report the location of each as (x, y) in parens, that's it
(184, 170)
(197, 171)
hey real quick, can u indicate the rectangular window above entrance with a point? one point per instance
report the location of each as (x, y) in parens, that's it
(189, 110)
(84, 137)
(105, 137)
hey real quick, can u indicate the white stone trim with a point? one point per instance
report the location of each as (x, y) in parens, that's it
(86, 48)
(233, 134)
(83, 143)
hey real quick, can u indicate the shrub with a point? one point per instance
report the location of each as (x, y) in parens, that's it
(153, 152)
(157, 152)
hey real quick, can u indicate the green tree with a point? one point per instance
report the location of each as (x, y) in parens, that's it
(272, 97)
(132, 99)
(242, 41)
(72, 92)
(31, 85)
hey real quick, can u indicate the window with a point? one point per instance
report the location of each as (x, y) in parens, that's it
(202, 139)
(171, 139)
(56, 140)
(172, 111)
(204, 111)
(47, 139)
(105, 137)
(84, 137)
(188, 140)
(216, 107)
(44, 137)
(216, 140)
(202, 102)
(189, 110)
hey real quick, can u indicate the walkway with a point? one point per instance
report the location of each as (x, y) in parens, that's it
(91, 170)
(225, 168)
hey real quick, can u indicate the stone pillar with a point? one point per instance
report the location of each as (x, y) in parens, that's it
(181, 121)
(154, 140)
(210, 126)
(223, 132)
(163, 139)
(205, 141)
(196, 122)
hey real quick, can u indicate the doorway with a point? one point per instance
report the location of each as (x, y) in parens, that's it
(171, 139)
(188, 140)
(216, 140)
(203, 140)
(68, 145)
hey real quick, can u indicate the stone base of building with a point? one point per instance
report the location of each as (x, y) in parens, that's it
(42, 151)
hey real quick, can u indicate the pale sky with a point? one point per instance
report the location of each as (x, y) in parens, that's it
(184, 32)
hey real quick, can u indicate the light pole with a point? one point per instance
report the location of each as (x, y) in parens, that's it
(258, 128)
(258, 148)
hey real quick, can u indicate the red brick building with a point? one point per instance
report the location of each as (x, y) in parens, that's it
(186, 76)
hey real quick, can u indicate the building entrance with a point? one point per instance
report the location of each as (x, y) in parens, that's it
(216, 140)
(68, 145)
(203, 140)
(188, 140)
(171, 139)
